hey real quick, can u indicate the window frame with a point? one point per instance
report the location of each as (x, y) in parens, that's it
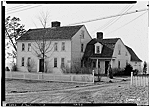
(63, 46)
(22, 61)
(82, 47)
(63, 62)
(55, 62)
(55, 46)
(23, 47)
(29, 47)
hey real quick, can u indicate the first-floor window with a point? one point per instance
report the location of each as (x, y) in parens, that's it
(29, 61)
(62, 62)
(22, 62)
(55, 62)
(118, 64)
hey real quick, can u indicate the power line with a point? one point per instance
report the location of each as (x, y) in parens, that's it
(111, 20)
(14, 7)
(18, 8)
(23, 9)
(126, 23)
(109, 17)
(117, 18)
(107, 23)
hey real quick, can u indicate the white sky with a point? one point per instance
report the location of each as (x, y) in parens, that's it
(134, 34)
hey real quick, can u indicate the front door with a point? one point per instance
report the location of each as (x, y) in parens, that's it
(106, 66)
(41, 65)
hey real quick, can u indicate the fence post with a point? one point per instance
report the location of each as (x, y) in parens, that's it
(131, 78)
(93, 75)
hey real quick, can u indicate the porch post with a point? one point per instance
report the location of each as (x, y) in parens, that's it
(97, 65)
(38, 65)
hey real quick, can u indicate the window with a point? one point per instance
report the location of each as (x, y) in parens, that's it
(119, 49)
(82, 34)
(23, 47)
(29, 61)
(55, 62)
(62, 62)
(118, 64)
(55, 47)
(126, 62)
(42, 46)
(94, 63)
(29, 46)
(63, 46)
(97, 49)
(126, 54)
(82, 45)
(22, 62)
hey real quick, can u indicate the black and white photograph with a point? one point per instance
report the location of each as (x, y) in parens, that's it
(75, 53)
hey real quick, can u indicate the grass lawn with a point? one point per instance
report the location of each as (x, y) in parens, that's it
(21, 86)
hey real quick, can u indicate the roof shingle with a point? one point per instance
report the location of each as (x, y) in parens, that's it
(66, 32)
(134, 57)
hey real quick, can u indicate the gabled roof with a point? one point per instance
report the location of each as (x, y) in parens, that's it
(134, 57)
(106, 52)
(65, 32)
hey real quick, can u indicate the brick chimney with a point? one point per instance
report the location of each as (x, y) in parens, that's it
(100, 35)
(55, 24)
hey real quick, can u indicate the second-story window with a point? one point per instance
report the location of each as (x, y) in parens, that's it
(55, 47)
(23, 47)
(82, 47)
(119, 49)
(97, 49)
(63, 46)
(126, 54)
(29, 46)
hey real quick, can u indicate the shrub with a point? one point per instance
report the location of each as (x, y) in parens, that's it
(86, 70)
(135, 72)
(117, 72)
(7, 69)
(128, 70)
(14, 67)
(65, 69)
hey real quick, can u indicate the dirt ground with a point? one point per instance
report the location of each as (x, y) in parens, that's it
(104, 92)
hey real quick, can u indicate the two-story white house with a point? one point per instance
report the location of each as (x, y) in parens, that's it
(65, 46)
(100, 52)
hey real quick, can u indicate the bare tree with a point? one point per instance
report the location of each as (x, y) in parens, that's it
(42, 46)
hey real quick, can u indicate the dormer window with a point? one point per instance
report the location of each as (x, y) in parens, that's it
(98, 48)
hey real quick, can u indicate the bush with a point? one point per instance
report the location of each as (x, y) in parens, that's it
(135, 72)
(14, 67)
(128, 70)
(7, 69)
(117, 72)
(86, 70)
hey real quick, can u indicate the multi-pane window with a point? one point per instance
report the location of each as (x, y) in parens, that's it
(42, 46)
(23, 46)
(82, 47)
(119, 49)
(29, 61)
(29, 46)
(22, 61)
(82, 34)
(118, 64)
(97, 49)
(63, 46)
(126, 54)
(55, 62)
(62, 62)
(55, 47)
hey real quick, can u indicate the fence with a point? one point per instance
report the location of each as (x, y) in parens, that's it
(139, 80)
(86, 78)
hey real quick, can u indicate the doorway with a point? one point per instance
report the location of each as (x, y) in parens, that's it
(41, 65)
(106, 66)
